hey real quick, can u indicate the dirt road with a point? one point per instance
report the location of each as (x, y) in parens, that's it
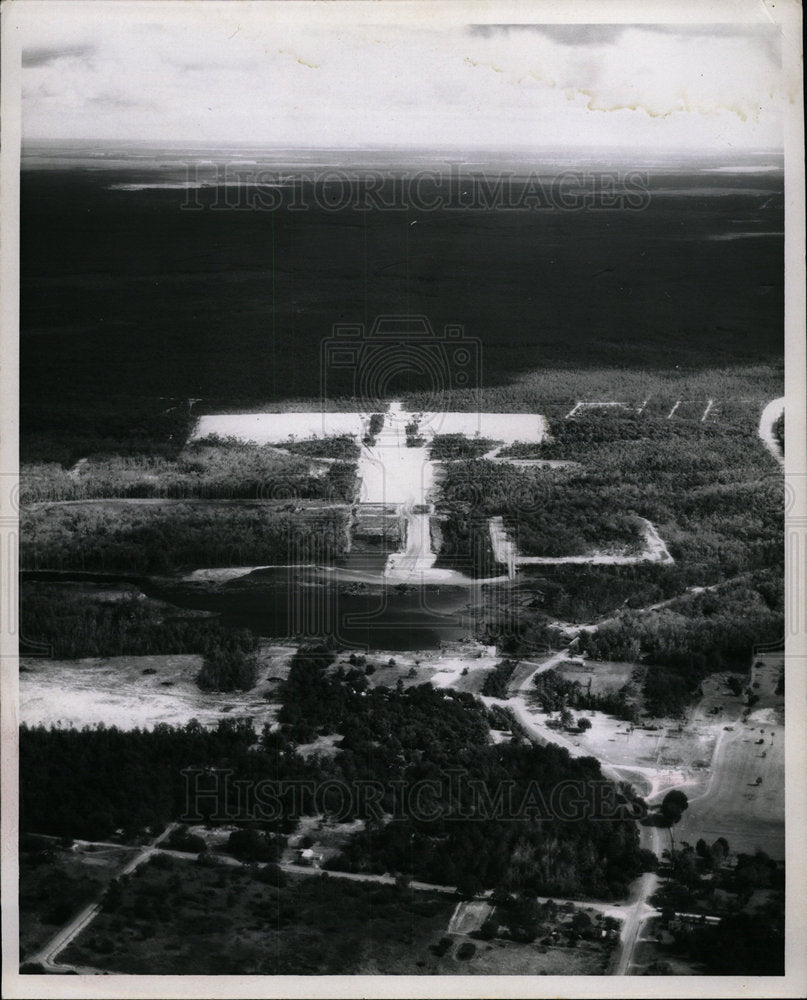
(46, 957)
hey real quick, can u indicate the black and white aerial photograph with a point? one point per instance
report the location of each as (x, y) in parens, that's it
(400, 589)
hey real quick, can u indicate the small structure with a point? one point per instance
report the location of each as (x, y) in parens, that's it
(309, 858)
(682, 920)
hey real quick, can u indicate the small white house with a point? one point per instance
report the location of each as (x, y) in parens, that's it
(305, 856)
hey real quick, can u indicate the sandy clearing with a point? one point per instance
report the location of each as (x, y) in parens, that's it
(115, 691)
(392, 474)
(469, 915)
(273, 428)
(448, 670)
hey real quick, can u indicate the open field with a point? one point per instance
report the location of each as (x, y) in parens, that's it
(732, 805)
(179, 917)
(275, 428)
(509, 958)
(129, 691)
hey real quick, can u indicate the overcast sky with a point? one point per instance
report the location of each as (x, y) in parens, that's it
(229, 78)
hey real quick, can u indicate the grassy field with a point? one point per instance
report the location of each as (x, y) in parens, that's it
(178, 917)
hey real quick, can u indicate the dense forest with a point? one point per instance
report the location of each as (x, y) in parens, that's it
(553, 389)
(65, 427)
(70, 625)
(91, 782)
(549, 513)
(213, 469)
(163, 537)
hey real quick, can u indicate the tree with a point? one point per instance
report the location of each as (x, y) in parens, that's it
(272, 874)
(583, 724)
(673, 806)
(720, 851)
(230, 665)
(250, 845)
(403, 884)
(468, 886)
(672, 809)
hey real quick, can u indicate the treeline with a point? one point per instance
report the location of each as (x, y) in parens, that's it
(62, 428)
(215, 468)
(700, 634)
(580, 593)
(554, 390)
(112, 537)
(495, 685)
(465, 546)
(341, 446)
(90, 782)
(779, 431)
(557, 693)
(70, 625)
(230, 663)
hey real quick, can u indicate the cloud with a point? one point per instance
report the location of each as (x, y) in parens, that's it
(45, 55)
(499, 85)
